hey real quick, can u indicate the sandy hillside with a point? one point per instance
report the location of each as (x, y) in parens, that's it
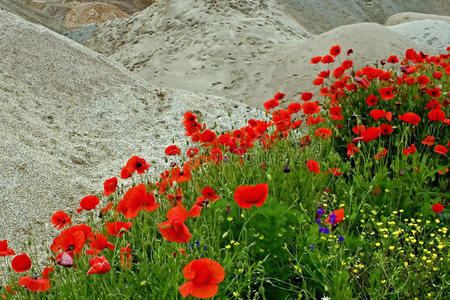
(410, 17)
(70, 119)
(83, 14)
(247, 57)
(320, 16)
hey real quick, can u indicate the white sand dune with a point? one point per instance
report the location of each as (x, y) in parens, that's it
(410, 17)
(70, 119)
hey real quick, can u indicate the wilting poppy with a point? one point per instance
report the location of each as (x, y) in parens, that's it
(21, 263)
(323, 133)
(246, 195)
(35, 284)
(172, 150)
(4, 250)
(371, 133)
(440, 149)
(174, 230)
(335, 172)
(125, 257)
(335, 216)
(313, 166)
(437, 208)
(109, 186)
(65, 259)
(88, 203)
(99, 265)
(204, 275)
(135, 199)
(371, 100)
(429, 141)
(60, 219)
(117, 228)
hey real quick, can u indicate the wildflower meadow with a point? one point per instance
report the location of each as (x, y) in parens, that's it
(340, 194)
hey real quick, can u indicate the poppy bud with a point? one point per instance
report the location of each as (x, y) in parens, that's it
(401, 172)
(173, 164)
(226, 159)
(228, 209)
(286, 169)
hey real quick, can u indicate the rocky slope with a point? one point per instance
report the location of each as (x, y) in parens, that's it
(70, 119)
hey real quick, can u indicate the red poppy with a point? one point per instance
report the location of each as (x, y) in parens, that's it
(335, 172)
(318, 81)
(392, 59)
(207, 136)
(71, 239)
(337, 73)
(174, 229)
(109, 186)
(440, 149)
(313, 166)
(437, 208)
(310, 108)
(279, 96)
(371, 100)
(381, 154)
(410, 80)
(307, 96)
(99, 265)
(246, 195)
(422, 79)
(324, 74)
(388, 116)
(409, 150)
(135, 199)
(125, 257)
(21, 263)
(434, 93)
(35, 284)
(296, 124)
(437, 75)
(351, 149)
(335, 113)
(335, 216)
(386, 129)
(107, 207)
(204, 275)
(387, 93)
(117, 228)
(134, 164)
(46, 272)
(410, 118)
(349, 51)
(436, 115)
(433, 104)
(371, 133)
(209, 193)
(377, 114)
(88, 203)
(347, 64)
(294, 107)
(60, 219)
(359, 129)
(197, 207)
(316, 60)
(324, 133)
(327, 59)
(4, 250)
(172, 150)
(192, 152)
(335, 50)
(98, 242)
(429, 141)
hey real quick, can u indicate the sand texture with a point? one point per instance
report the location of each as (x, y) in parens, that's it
(92, 13)
(410, 17)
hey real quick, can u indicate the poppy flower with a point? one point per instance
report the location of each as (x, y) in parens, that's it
(386, 93)
(386, 129)
(409, 150)
(347, 64)
(88, 203)
(296, 124)
(197, 207)
(207, 136)
(434, 93)
(125, 257)
(410, 118)
(392, 59)
(204, 275)
(21, 263)
(437, 75)
(334, 172)
(371, 100)
(381, 154)
(71, 239)
(388, 116)
(359, 129)
(349, 51)
(316, 60)
(422, 79)
(307, 96)
(107, 207)
(98, 242)
(440, 149)
(192, 152)
(318, 81)
(60, 219)
(437, 208)
(410, 80)
(436, 115)
(377, 114)
(335, 113)
(337, 73)
(335, 50)
(35, 284)
(246, 195)
(135, 199)
(324, 133)
(310, 108)
(313, 166)
(135, 164)
(99, 265)
(109, 186)
(172, 150)
(335, 216)
(209, 193)
(294, 107)
(327, 59)
(4, 250)
(46, 272)
(324, 74)
(174, 229)
(351, 149)
(117, 228)
(433, 104)
(279, 96)
(371, 133)
(429, 141)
